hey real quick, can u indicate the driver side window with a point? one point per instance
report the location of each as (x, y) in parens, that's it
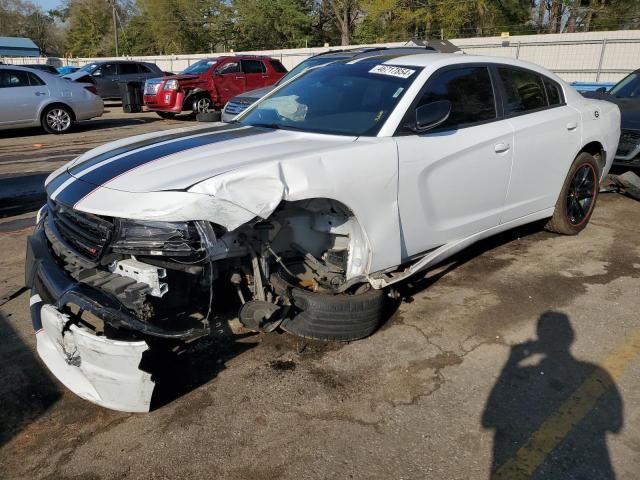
(470, 92)
(231, 67)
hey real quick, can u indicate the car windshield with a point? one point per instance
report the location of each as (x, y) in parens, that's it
(337, 99)
(88, 67)
(628, 87)
(308, 63)
(199, 67)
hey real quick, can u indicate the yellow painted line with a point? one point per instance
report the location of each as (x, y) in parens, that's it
(560, 423)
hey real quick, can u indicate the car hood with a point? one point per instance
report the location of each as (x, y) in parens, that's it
(179, 77)
(77, 75)
(179, 159)
(253, 95)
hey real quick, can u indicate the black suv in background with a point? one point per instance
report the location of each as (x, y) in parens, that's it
(625, 94)
(107, 75)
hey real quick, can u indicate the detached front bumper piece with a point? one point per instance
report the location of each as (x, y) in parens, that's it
(96, 368)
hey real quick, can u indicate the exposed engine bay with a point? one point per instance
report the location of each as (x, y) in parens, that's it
(171, 276)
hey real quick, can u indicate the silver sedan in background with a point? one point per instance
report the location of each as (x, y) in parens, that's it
(30, 98)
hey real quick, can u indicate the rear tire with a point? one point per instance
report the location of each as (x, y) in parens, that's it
(577, 197)
(322, 316)
(57, 119)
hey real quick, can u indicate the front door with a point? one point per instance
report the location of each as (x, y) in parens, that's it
(106, 80)
(453, 179)
(229, 80)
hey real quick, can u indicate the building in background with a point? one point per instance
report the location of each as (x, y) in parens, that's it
(18, 47)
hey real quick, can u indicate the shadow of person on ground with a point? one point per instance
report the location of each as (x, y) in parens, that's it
(26, 389)
(550, 412)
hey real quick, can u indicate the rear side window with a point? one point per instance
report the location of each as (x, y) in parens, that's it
(470, 92)
(34, 79)
(554, 94)
(277, 66)
(253, 66)
(129, 69)
(524, 91)
(14, 78)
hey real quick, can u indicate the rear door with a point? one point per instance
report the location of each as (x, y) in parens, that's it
(106, 80)
(229, 79)
(547, 135)
(255, 74)
(21, 94)
(129, 72)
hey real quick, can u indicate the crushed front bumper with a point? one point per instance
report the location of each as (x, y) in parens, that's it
(96, 368)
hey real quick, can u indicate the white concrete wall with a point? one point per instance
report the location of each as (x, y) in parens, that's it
(573, 56)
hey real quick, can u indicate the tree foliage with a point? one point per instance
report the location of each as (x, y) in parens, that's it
(25, 19)
(85, 27)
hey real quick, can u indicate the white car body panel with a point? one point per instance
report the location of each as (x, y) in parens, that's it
(239, 179)
(414, 200)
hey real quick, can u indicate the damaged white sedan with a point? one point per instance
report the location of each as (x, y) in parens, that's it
(304, 212)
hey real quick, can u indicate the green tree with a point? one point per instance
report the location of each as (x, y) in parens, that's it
(90, 28)
(265, 24)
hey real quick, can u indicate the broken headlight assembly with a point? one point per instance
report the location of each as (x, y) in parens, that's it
(167, 239)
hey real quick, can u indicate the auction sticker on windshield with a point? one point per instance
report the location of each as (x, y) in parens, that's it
(392, 71)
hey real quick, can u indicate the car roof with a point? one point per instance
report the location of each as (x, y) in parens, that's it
(375, 51)
(444, 59)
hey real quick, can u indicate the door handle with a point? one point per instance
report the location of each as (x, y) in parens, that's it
(37, 94)
(239, 78)
(572, 126)
(501, 147)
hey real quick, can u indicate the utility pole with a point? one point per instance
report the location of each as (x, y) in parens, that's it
(115, 24)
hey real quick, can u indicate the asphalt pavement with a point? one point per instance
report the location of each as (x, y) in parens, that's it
(519, 359)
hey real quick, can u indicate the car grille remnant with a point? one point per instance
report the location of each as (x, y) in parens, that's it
(86, 234)
(629, 146)
(235, 107)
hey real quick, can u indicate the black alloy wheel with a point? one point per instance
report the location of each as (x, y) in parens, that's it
(581, 194)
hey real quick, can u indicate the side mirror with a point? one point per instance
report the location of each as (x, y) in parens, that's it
(601, 90)
(431, 115)
(97, 73)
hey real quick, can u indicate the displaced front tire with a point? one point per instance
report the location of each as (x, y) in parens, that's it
(338, 317)
(577, 197)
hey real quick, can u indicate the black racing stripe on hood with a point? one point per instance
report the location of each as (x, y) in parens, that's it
(82, 186)
(80, 167)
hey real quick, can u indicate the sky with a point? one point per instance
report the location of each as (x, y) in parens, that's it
(47, 4)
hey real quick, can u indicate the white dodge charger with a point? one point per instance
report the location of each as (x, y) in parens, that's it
(306, 211)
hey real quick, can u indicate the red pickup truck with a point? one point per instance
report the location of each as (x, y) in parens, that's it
(209, 83)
